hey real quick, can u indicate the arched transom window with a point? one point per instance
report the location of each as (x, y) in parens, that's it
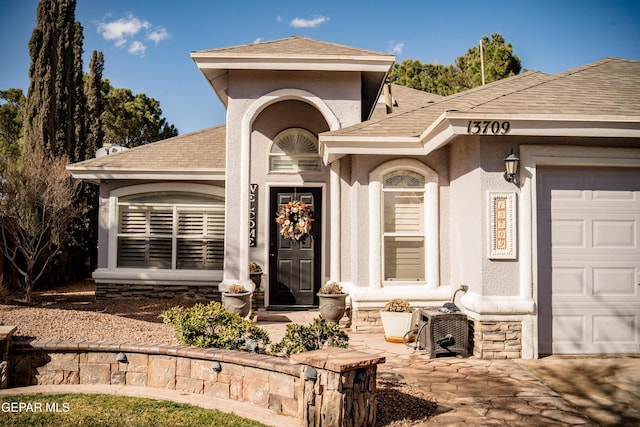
(294, 150)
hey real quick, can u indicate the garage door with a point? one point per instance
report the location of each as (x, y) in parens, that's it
(588, 260)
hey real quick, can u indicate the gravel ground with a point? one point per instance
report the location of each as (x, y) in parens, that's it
(72, 313)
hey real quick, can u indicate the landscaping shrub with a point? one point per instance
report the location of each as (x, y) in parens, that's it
(318, 334)
(212, 326)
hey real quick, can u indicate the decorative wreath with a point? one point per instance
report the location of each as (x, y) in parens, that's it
(295, 220)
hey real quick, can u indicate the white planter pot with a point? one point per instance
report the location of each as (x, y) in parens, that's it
(396, 325)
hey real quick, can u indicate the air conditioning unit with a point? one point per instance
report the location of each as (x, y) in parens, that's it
(443, 334)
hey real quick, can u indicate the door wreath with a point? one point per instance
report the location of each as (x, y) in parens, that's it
(295, 220)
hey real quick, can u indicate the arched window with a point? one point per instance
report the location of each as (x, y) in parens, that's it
(294, 150)
(403, 215)
(403, 226)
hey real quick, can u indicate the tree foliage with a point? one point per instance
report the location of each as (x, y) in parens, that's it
(55, 99)
(95, 104)
(499, 62)
(36, 209)
(132, 120)
(11, 119)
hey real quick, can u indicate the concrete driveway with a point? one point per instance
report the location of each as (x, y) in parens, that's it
(607, 389)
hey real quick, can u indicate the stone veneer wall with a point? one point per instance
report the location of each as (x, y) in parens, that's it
(497, 340)
(123, 290)
(341, 394)
(196, 292)
(367, 322)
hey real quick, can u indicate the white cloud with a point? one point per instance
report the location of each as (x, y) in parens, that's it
(130, 30)
(258, 40)
(122, 28)
(308, 23)
(137, 48)
(158, 35)
(395, 48)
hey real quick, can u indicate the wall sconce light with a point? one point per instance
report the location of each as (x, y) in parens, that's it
(511, 168)
(216, 366)
(310, 374)
(121, 357)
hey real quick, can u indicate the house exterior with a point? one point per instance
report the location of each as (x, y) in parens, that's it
(407, 193)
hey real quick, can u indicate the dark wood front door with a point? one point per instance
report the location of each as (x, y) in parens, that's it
(294, 266)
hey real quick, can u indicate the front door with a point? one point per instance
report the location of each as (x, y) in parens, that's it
(294, 266)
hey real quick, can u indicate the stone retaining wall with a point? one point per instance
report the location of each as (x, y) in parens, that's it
(329, 387)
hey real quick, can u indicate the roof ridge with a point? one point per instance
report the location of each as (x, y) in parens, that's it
(249, 44)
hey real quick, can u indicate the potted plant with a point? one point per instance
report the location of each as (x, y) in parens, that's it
(255, 273)
(237, 299)
(332, 301)
(397, 319)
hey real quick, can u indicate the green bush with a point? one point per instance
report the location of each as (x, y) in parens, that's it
(318, 334)
(212, 326)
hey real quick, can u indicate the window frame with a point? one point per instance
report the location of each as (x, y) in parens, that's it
(430, 230)
(418, 233)
(174, 235)
(143, 189)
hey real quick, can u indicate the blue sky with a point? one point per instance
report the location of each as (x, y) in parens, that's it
(146, 43)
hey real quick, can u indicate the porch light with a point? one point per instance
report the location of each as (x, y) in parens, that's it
(511, 167)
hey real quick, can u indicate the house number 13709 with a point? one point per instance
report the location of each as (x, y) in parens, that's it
(484, 127)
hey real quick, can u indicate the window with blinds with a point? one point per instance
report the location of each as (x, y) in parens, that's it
(294, 150)
(403, 226)
(154, 232)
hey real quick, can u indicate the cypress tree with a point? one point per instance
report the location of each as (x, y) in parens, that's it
(95, 105)
(55, 119)
(54, 100)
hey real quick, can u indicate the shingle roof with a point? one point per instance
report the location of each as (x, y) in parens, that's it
(293, 46)
(405, 99)
(610, 86)
(203, 150)
(413, 123)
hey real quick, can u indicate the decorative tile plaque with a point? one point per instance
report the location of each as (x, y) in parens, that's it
(502, 227)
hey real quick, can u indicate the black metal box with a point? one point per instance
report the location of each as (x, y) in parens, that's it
(444, 334)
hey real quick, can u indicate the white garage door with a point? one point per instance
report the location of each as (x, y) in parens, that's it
(588, 260)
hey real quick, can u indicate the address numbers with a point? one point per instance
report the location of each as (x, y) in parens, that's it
(485, 127)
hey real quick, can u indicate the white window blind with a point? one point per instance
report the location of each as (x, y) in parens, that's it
(170, 236)
(403, 227)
